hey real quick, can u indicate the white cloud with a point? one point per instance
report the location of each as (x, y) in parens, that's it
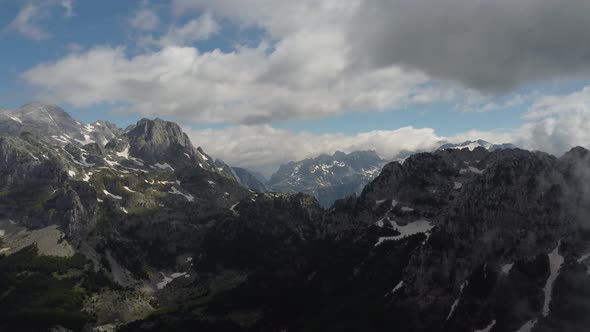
(249, 85)
(300, 69)
(30, 16)
(26, 22)
(145, 19)
(68, 6)
(306, 66)
(198, 29)
(578, 101)
(264, 148)
(555, 125)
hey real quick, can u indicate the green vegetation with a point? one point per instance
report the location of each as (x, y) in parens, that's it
(39, 203)
(39, 292)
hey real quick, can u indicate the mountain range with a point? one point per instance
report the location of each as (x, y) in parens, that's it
(329, 178)
(326, 177)
(138, 230)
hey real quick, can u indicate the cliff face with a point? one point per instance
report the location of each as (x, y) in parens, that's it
(150, 234)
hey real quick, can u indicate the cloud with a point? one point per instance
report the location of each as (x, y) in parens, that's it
(323, 58)
(562, 123)
(145, 19)
(264, 148)
(485, 45)
(578, 101)
(249, 85)
(29, 17)
(554, 124)
(68, 6)
(198, 29)
(26, 22)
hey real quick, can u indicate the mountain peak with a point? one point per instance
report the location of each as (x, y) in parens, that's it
(45, 113)
(159, 132)
(328, 177)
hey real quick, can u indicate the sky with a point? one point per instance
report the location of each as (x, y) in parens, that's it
(258, 83)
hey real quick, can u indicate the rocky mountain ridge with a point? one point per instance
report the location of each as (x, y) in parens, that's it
(326, 177)
(146, 233)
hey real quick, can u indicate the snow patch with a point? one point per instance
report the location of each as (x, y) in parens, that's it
(582, 259)
(129, 190)
(87, 140)
(397, 287)
(211, 183)
(407, 209)
(71, 173)
(506, 268)
(168, 279)
(61, 139)
(457, 185)
(555, 261)
(202, 155)
(419, 226)
(456, 303)
(111, 195)
(175, 191)
(528, 326)
(487, 328)
(124, 153)
(164, 166)
(124, 210)
(16, 119)
(233, 209)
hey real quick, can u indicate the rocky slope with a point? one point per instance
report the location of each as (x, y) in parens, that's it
(249, 180)
(146, 233)
(328, 178)
(471, 145)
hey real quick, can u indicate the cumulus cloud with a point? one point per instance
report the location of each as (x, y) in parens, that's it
(26, 22)
(300, 69)
(198, 29)
(68, 6)
(240, 87)
(265, 148)
(145, 19)
(554, 125)
(323, 58)
(485, 45)
(28, 19)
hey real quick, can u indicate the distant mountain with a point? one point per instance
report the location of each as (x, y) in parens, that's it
(148, 233)
(248, 179)
(326, 177)
(52, 124)
(259, 176)
(471, 145)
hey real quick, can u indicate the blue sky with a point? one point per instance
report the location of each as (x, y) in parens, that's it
(303, 72)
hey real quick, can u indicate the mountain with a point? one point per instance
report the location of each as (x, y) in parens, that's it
(326, 177)
(471, 145)
(129, 236)
(249, 179)
(53, 124)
